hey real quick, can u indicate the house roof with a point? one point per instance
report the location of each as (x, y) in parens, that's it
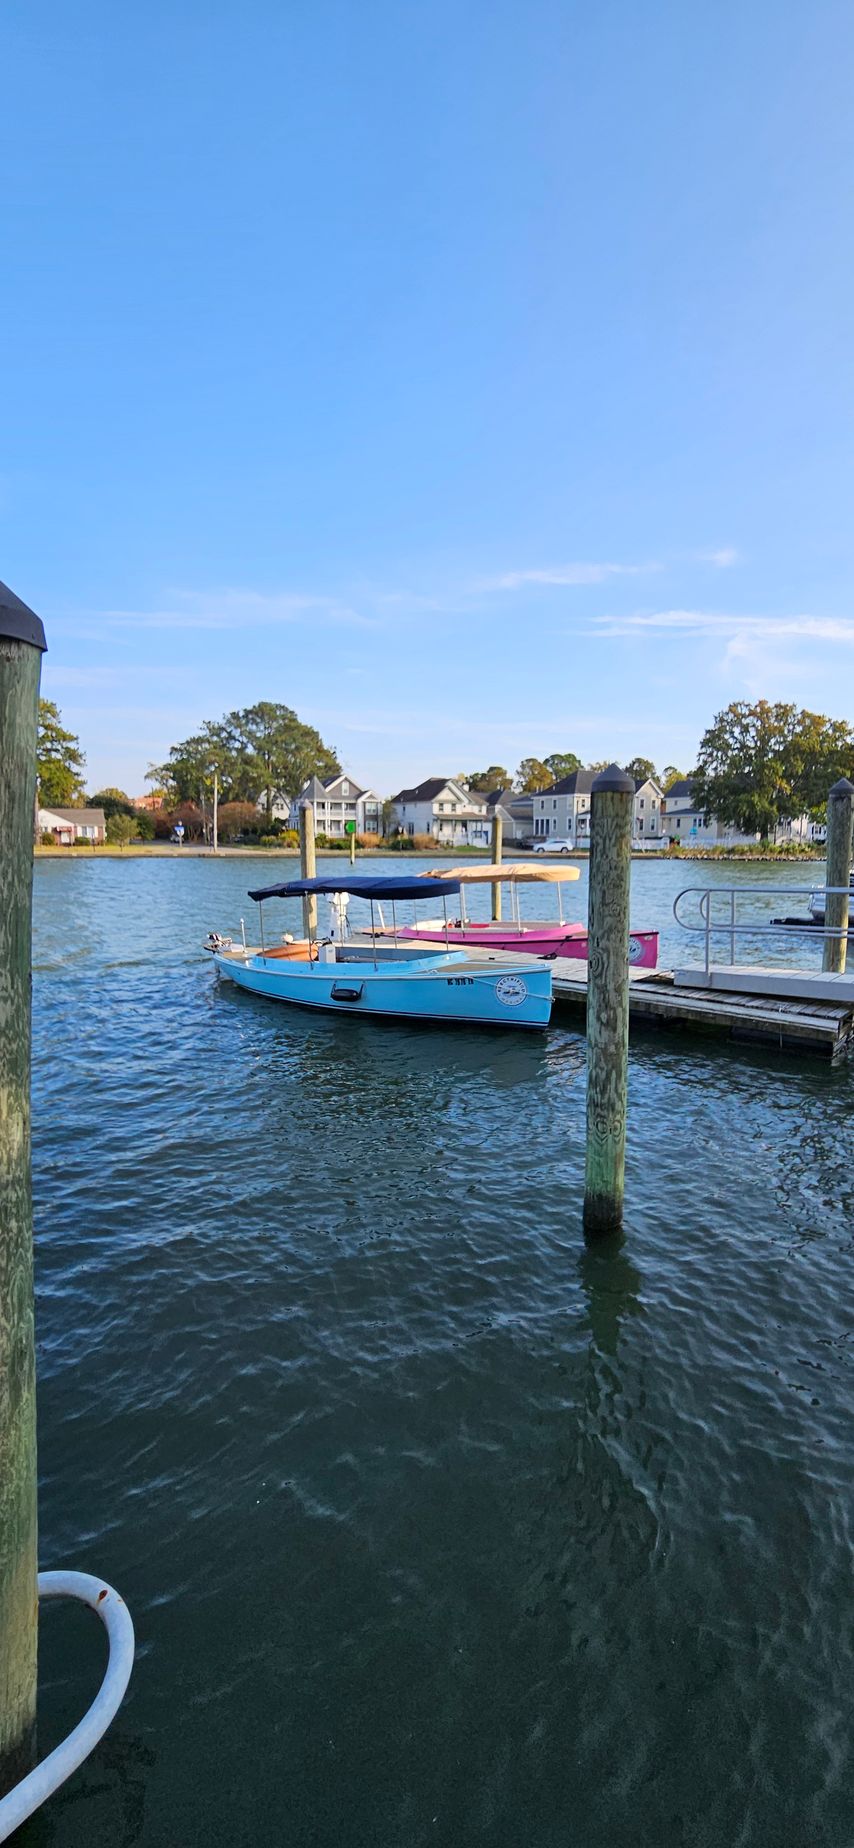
(578, 783)
(684, 787)
(94, 817)
(343, 776)
(424, 792)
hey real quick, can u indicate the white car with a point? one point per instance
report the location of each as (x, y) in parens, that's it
(550, 843)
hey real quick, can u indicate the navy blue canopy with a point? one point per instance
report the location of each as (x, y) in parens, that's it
(362, 885)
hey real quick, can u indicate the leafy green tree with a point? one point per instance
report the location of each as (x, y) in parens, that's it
(496, 777)
(120, 829)
(112, 801)
(605, 764)
(669, 776)
(144, 825)
(762, 764)
(279, 751)
(641, 768)
(264, 750)
(59, 760)
(561, 764)
(532, 775)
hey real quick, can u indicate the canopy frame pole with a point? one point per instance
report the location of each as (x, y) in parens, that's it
(261, 925)
(559, 903)
(394, 922)
(373, 934)
(445, 913)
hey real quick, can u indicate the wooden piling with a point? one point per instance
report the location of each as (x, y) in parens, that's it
(352, 849)
(308, 866)
(611, 809)
(21, 645)
(840, 822)
(497, 851)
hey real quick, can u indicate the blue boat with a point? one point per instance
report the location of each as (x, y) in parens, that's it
(403, 981)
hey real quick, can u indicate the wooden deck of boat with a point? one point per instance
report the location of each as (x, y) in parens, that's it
(790, 1023)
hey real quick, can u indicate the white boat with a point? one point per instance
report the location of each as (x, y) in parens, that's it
(404, 981)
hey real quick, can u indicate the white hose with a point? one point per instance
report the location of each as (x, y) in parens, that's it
(59, 1764)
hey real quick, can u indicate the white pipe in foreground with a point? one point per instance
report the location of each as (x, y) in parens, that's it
(59, 1764)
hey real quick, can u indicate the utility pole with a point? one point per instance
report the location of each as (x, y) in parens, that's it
(22, 644)
(216, 812)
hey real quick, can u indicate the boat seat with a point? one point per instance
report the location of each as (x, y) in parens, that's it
(293, 952)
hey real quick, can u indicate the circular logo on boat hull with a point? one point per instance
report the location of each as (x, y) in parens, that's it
(511, 990)
(635, 950)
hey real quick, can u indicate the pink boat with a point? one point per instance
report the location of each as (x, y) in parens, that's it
(528, 938)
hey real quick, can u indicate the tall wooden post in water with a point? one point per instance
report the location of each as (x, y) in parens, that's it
(497, 851)
(840, 821)
(308, 866)
(21, 645)
(611, 813)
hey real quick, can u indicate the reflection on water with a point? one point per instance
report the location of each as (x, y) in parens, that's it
(437, 1526)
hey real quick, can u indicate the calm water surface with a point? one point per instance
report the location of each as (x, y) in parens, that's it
(436, 1528)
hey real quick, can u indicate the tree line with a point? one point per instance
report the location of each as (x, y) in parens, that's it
(758, 765)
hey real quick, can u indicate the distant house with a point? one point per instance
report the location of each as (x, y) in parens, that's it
(649, 802)
(445, 808)
(335, 801)
(684, 822)
(70, 825)
(151, 803)
(564, 809)
(516, 812)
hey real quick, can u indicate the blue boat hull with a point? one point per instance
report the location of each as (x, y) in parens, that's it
(437, 988)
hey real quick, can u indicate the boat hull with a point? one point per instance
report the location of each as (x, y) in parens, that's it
(543, 940)
(447, 988)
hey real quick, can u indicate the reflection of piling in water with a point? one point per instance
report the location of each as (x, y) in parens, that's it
(840, 818)
(21, 645)
(611, 807)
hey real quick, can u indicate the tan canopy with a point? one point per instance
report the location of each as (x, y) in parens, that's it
(518, 870)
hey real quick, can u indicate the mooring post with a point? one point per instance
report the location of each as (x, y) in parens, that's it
(352, 849)
(497, 851)
(840, 822)
(611, 809)
(21, 646)
(308, 866)
(216, 813)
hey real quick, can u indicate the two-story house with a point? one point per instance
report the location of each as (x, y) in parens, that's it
(564, 809)
(443, 807)
(683, 822)
(335, 801)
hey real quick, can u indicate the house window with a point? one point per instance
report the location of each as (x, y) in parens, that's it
(641, 802)
(679, 821)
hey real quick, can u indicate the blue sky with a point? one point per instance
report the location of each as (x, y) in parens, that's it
(476, 379)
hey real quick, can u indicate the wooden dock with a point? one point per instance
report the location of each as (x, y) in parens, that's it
(789, 1023)
(794, 1022)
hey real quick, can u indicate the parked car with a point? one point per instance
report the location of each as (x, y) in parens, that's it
(553, 843)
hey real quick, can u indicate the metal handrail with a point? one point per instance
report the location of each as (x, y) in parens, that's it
(59, 1764)
(728, 927)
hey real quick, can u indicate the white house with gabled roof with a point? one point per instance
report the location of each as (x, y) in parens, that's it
(445, 808)
(335, 801)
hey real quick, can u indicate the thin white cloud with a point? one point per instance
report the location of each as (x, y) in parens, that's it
(572, 574)
(721, 559)
(719, 624)
(224, 610)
